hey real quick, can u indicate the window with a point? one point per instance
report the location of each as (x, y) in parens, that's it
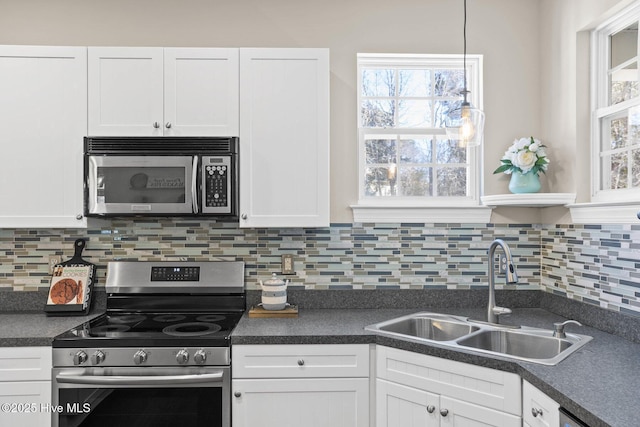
(405, 157)
(616, 109)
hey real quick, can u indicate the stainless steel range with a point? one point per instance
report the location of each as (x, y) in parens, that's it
(160, 355)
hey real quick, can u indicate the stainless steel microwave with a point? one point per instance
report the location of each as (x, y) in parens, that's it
(161, 176)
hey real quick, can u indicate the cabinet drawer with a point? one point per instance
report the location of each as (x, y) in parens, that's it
(535, 402)
(475, 384)
(300, 361)
(25, 363)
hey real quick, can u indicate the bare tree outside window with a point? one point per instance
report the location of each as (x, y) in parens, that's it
(405, 99)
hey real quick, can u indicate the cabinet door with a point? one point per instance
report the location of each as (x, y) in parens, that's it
(284, 137)
(201, 90)
(324, 402)
(538, 409)
(25, 404)
(475, 384)
(43, 118)
(25, 386)
(401, 406)
(125, 91)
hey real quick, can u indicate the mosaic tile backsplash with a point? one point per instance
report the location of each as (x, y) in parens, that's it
(594, 264)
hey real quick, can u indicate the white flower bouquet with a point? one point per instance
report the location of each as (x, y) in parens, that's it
(525, 155)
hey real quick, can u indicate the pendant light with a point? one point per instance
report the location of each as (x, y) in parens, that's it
(465, 124)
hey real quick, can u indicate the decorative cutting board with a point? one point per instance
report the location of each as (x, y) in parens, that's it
(290, 311)
(71, 288)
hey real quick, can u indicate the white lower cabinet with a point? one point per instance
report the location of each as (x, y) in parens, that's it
(25, 386)
(538, 409)
(300, 385)
(418, 390)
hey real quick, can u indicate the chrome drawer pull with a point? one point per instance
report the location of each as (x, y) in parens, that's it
(535, 412)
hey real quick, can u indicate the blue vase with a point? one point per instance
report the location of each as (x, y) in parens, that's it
(524, 183)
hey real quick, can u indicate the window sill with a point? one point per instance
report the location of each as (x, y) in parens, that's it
(604, 212)
(530, 200)
(421, 214)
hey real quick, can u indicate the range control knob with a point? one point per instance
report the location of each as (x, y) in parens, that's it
(200, 357)
(97, 357)
(182, 356)
(140, 357)
(79, 358)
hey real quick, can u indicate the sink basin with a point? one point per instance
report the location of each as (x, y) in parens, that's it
(522, 343)
(430, 328)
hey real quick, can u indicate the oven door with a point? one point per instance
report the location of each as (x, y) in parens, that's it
(139, 185)
(153, 397)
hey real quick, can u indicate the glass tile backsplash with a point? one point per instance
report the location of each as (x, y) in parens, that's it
(593, 264)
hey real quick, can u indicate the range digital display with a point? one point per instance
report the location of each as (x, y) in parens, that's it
(175, 274)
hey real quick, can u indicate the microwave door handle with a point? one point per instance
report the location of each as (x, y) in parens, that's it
(99, 380)
(194, 185)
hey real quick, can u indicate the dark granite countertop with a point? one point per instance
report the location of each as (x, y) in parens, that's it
(23, 322)
(597, 383)
(35, 328)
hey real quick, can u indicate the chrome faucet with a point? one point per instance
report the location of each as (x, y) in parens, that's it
(511, 276)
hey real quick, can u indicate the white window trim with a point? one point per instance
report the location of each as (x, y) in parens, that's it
(418, 209)
(606, 206)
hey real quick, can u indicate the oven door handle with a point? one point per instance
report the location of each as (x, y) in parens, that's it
(139, 380)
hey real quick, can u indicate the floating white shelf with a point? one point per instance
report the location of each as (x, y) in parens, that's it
(530, 200)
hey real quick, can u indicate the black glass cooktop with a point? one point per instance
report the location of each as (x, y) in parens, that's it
(152, 329)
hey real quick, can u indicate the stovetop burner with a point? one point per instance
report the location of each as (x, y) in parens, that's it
(192, 329)
(152, 329)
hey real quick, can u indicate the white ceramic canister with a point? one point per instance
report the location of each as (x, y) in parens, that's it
(274, 293)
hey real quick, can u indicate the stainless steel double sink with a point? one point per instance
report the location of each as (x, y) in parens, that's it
(522, 343)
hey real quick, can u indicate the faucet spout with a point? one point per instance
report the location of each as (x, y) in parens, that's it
(511, 276)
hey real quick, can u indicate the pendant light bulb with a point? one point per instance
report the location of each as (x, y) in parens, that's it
(465, 124)
(471, 127)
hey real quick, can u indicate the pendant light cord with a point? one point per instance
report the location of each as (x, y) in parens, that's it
(464, 55)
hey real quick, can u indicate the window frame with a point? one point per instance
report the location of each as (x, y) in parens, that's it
(601, 111)
(417, 207)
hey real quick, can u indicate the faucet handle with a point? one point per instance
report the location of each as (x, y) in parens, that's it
(558, 328)
(498, 311)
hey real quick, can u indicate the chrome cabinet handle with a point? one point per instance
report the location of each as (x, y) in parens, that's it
(444, 412)
(237, 394)
(243, 216)
(156, 125)
(79, 216)
(535, 412)
(431, 409)
(301, 362)
(168, 125)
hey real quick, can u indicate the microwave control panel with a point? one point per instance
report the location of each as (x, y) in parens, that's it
(216, 184)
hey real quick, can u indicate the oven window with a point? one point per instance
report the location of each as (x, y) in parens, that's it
(141, 407)
(138, 184)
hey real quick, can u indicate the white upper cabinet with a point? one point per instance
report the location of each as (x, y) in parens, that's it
(201, 92)
(125, 91)
(43, 118)
(142, 91)
(284, 137)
